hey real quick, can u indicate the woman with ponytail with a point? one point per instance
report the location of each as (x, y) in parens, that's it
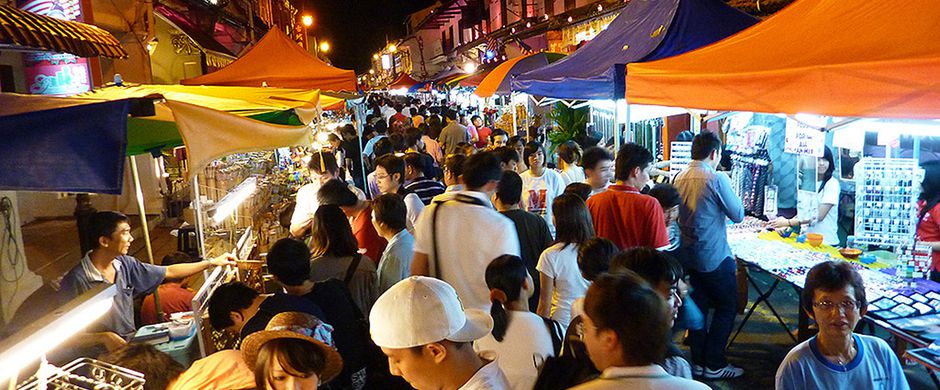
(521, 339)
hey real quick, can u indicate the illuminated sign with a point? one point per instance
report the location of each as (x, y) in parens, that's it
(50, 73)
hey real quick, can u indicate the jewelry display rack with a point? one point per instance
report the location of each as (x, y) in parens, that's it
(886, 193)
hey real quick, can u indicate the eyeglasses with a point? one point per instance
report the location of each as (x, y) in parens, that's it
(846, 306)
(381, 177)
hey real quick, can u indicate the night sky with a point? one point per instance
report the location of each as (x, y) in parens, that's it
(356, 29)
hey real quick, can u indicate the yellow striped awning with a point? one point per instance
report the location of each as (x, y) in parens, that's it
(28, 30)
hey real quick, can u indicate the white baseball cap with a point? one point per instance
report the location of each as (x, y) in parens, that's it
(421, 310)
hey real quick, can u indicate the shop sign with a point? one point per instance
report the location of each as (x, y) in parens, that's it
(50, 73)
(56, 73)
(803, 139)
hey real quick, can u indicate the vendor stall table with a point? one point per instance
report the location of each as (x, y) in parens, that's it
(788, 261)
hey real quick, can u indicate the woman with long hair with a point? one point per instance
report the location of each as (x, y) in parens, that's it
(540, 185)
(521, 339)
(335, 255)
(826, 221)
(560, 278)
(928, 222)
(569, 162)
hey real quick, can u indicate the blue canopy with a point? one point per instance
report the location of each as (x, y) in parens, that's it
(65, 145)
(645, 30)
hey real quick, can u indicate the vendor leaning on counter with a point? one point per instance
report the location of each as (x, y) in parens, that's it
(109, 263)
(827, 196)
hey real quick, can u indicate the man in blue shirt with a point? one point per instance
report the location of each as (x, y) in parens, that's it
(108, 263)
(707, 200)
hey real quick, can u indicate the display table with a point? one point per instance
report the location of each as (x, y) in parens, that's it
(184, 350)
(789, 262)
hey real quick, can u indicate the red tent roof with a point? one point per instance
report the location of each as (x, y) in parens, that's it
(855, 58)
(403, 81)
(279, 62)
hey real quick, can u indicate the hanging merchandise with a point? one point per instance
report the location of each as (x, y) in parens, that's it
(750, 165)
(886, 193)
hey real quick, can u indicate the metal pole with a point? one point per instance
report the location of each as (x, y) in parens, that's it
(617, 132)
(512, 106)
(143, 219)
(197, 203)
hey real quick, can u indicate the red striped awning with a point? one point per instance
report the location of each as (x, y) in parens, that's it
(31, 31)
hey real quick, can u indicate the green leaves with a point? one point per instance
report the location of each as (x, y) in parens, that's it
(569, 124)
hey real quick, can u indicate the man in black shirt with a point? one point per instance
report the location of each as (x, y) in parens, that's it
(533, 232)
(235, 307)
(289, 262)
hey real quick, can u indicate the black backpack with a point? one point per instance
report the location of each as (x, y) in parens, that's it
(572, 367)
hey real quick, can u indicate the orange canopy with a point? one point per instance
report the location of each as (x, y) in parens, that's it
(403, 81)
(856, 58)
(278, 61)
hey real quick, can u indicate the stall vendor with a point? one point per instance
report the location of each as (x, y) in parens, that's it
(109, 263)
(928, 223)
(827, 196)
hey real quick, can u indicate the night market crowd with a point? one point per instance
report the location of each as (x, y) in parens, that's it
(462, 260)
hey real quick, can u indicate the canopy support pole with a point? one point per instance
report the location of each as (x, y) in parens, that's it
(143, 219)
(512, 106)
(197, 203)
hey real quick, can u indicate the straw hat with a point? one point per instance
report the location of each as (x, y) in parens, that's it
(293, 325)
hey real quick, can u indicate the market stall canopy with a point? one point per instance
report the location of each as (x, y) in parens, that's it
(645, 30)
(829, 57)
(423, 86)
(498, 80)
(62, 144)
(404, 81)
(210, 134)
(23, 29)
(278, 61)
(272, 105)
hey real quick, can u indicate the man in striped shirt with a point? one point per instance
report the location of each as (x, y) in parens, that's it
(425, 188)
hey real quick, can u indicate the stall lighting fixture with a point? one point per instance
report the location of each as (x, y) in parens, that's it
(528, 24)
(392, 48)
(570, 19)
(227, 206)
(600, 8)
(59, 327)
(469, 67)
(375, 56)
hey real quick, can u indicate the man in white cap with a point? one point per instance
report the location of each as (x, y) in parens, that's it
(424, 330)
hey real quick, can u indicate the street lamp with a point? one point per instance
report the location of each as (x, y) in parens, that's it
(392, 48)
(324, 47)
(307, 21)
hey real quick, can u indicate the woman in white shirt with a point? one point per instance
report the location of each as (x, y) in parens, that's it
(826, 221)
(560, 277)
(521, 339)
(569, 160)
(540, 185)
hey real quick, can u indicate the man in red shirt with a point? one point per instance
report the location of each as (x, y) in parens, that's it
(360, 216)
(173, 297)
(622, 214)
(399, 116)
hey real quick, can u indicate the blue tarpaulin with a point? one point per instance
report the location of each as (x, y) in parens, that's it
(645, 30)
(64, 147)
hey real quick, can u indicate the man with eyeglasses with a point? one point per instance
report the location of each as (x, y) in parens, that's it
(837, 358)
